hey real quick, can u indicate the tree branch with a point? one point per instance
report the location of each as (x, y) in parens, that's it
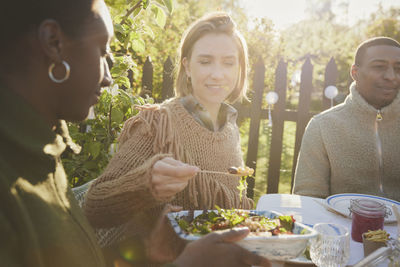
(130, 11)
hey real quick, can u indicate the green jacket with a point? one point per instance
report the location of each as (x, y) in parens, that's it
(41, 224)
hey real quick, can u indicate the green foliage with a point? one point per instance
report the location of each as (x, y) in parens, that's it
(384, 23)
(136, 25)
(98, 136)
(324, 40)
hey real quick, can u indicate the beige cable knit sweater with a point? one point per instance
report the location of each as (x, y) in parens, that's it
(124, 193)
(339, 151)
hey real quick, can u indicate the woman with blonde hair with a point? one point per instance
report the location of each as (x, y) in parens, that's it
(164, 150)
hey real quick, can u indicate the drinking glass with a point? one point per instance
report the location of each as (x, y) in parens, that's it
(331, 248)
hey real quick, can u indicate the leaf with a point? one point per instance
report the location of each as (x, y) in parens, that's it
(74, 181)
(126, 98)
(148, 30)
(118, 28)
(139, 100)
(219, 209)
(123, 80)
(236, 219)
(212, 216)
(126, 43)
(183, 224)
(145, 3)
(160, 16)
(149, 100)
(117, 115)
(116, 71)
(136, 12)
(286, 222)
(170, 5)
(204, 229)
(138, 45)
(94, 149)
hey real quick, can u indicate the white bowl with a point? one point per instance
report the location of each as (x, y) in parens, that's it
(280, 247)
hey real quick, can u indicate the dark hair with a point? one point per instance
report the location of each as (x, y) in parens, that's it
(19, 17)
(362, 48)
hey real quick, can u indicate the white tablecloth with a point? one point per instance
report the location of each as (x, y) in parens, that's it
(307, 210)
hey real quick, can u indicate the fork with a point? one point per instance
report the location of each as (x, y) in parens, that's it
(397, 214)
(217, 172)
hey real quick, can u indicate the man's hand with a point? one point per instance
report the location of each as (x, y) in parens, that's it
(164, 245)
(219, 249)
(170, 176)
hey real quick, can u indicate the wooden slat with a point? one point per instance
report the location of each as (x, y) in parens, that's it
(277, 129)
(331, 74)
(258, 82)
(168, 80)
(147, 78)
(303, 109)
(130, 77)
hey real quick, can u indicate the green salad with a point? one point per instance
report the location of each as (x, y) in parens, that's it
(221, 219)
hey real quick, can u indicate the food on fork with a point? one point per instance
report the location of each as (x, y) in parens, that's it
(240, 171)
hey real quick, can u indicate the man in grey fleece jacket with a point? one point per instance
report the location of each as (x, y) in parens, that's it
(354, 147)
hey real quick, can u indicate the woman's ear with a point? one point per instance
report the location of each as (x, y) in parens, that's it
(50, 38)
(185, 63)
(354, 72)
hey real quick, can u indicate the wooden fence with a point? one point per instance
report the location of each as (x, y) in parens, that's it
(256, 113)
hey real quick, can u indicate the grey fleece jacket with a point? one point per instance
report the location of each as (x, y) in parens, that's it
(340, 150)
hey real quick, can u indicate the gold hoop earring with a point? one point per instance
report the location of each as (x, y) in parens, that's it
(66, 76)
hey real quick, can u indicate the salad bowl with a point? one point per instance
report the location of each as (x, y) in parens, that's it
(280, 247)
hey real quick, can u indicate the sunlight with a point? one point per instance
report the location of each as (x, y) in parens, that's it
(284, 13)
(292, 201)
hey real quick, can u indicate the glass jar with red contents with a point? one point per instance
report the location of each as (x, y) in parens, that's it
(367, 214)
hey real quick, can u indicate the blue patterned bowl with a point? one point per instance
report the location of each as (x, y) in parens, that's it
(280, 247)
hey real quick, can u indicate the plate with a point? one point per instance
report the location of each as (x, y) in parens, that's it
(280, 247)
(341, 204)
